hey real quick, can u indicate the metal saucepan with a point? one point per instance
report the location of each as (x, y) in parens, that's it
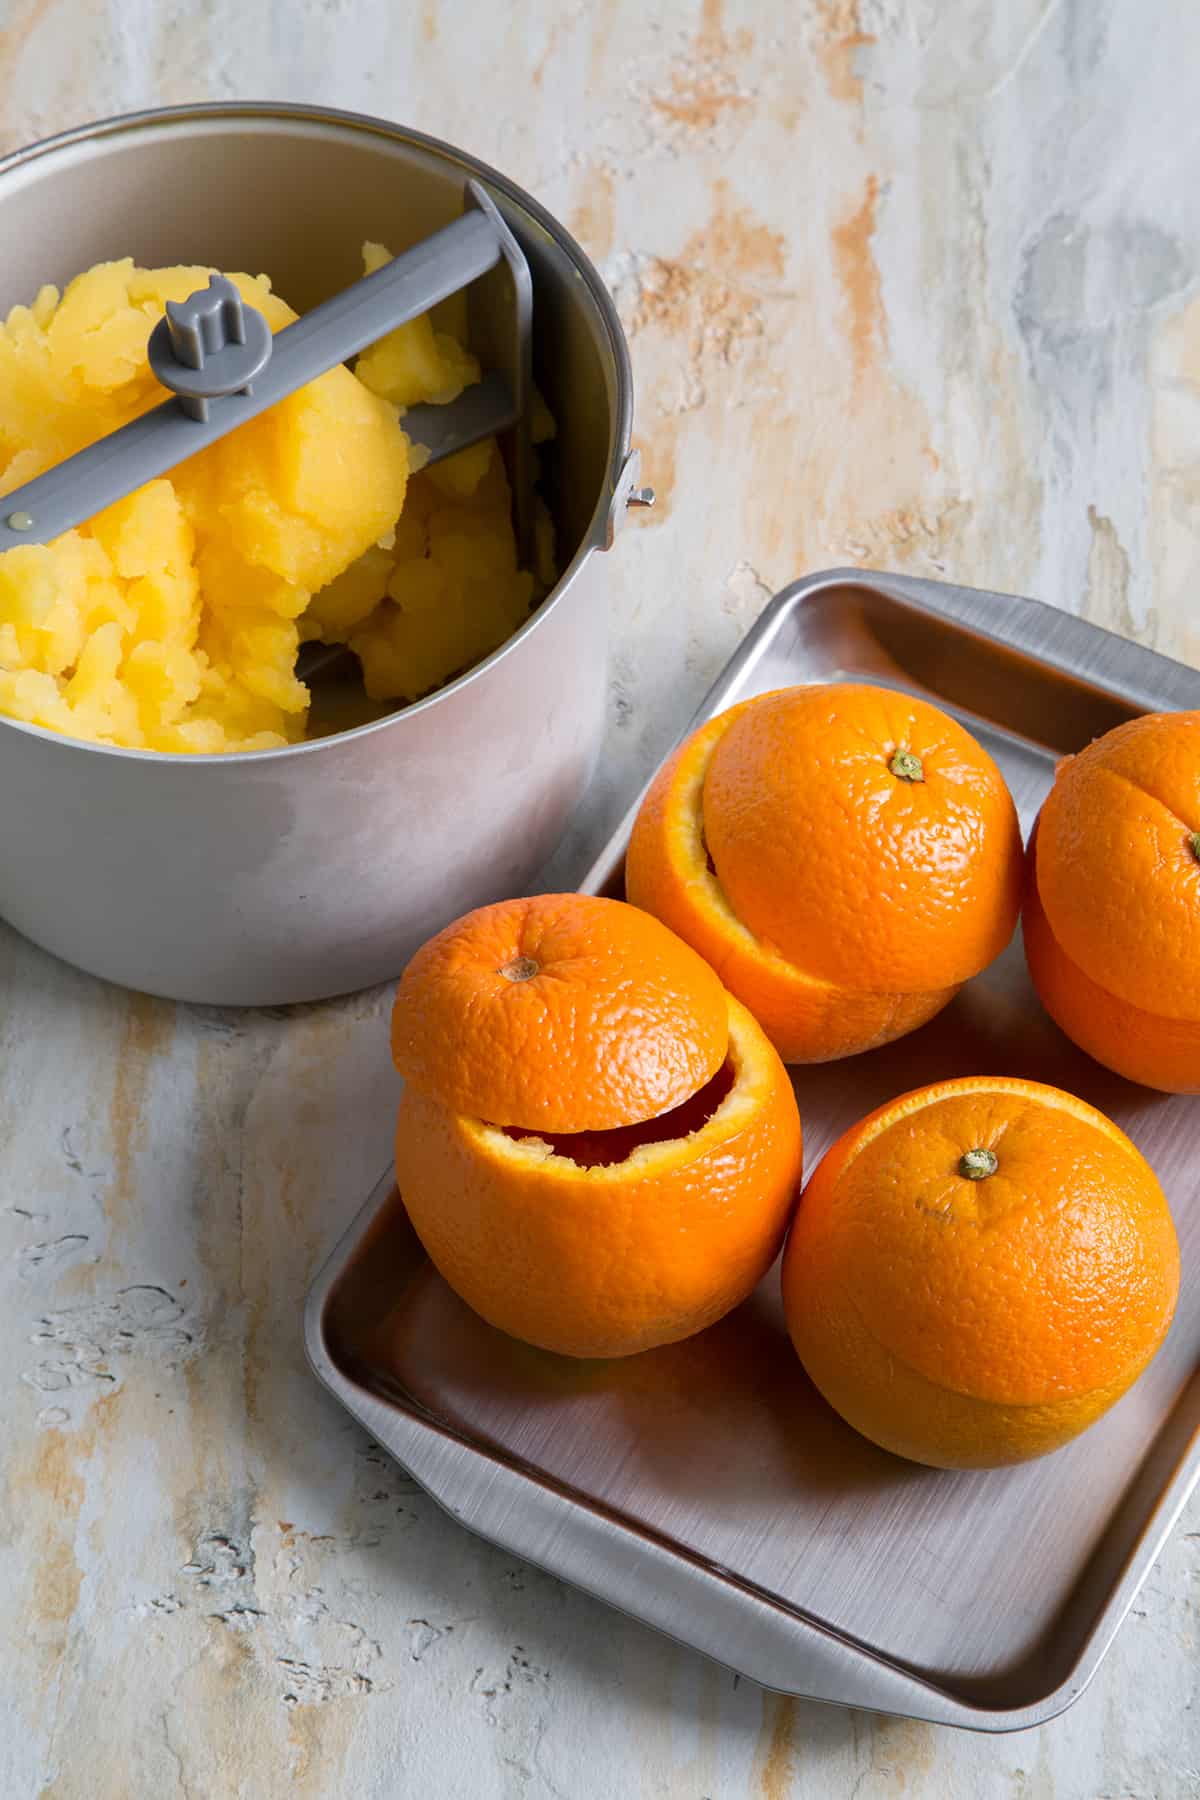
(294, 874)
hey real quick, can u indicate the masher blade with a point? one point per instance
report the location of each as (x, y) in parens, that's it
(483, 411)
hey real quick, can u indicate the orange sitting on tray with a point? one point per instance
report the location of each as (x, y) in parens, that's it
(1112, 900)
(978, 1270)
(597, 1145)
(844, 856)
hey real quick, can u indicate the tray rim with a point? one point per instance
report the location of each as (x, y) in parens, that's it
(666, 1586)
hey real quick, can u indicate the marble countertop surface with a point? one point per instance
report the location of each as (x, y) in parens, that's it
(908, 285)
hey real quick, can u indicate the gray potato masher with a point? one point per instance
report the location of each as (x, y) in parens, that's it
(220, 360)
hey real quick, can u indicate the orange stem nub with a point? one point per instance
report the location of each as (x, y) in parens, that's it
(522, 968)
(906, 765)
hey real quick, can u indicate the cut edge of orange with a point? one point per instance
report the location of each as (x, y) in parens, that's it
(958, 1431)
(749, 1053)
(667, 873)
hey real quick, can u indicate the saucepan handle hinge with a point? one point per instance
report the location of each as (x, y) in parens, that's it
(627, 492)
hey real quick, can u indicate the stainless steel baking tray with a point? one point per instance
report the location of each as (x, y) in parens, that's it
(706, 1488)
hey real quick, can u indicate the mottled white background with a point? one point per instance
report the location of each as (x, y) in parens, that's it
(909, 284)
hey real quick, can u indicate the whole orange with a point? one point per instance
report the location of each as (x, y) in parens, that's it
(1112, 900)
(630, 1176)
(844, 856)
(978, 1270)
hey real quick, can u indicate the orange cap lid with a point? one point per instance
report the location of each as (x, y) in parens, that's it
(562, 1013)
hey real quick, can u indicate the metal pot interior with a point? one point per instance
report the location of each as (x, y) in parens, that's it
(295, 192)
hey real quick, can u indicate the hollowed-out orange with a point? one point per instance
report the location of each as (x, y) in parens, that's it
(844, 856)
(1112, 901)
(978, 1270)
(627, 1172)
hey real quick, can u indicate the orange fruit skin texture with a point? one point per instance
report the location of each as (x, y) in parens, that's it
(611, 1018)
(970, 1324)
(1112, 903)
(610, 1260)
(845, 906)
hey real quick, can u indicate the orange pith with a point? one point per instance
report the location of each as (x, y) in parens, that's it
(973, 1322)
(563, 1012)
(1112, 901)
(606, 1258)
(843, 904)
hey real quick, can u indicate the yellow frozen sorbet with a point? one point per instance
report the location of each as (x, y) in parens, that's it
(448, 591)
(171, 621)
